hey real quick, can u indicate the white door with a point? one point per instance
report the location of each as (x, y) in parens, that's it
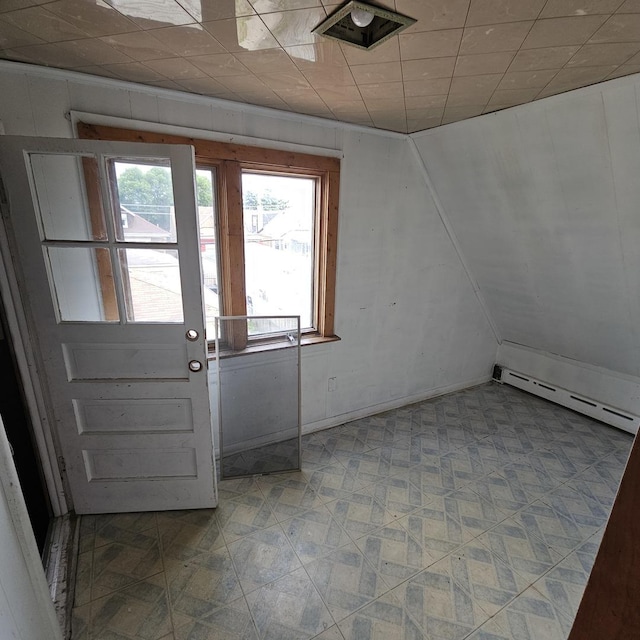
(113, 293)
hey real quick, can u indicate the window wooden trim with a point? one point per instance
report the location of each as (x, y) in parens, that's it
(230, 159)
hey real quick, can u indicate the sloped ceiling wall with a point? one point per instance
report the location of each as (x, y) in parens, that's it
(544, 200)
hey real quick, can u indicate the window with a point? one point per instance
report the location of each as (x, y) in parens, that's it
(268, 229)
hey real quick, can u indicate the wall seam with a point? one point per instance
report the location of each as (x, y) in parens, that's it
(454, 241)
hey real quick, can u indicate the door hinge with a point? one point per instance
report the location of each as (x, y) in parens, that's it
(62, 465)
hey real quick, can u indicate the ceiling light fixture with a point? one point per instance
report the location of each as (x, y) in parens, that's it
(361, 18)
(362, 25)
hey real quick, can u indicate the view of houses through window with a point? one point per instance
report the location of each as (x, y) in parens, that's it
(278, 226)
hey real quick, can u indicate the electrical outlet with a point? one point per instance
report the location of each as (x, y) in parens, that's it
(332, 384)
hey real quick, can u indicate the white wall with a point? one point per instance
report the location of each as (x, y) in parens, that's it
(410, 324)
(544, 200)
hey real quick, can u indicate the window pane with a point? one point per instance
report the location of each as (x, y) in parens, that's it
(64, 208)
(82, 284)
(153, 292)
(278, 215)
(144, 194)
(209, 254)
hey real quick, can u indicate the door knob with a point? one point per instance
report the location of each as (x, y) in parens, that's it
(195, 365)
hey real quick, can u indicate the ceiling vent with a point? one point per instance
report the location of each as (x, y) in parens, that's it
(363, 25)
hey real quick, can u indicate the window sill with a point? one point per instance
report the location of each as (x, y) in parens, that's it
(305, 341)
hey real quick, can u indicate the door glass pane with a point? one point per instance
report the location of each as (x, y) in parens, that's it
(67, 210)
(151, 279)
(81, 281)
(142, 195)
(278, 215)
(209, 254)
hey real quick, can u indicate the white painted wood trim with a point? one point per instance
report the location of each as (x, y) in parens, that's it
(43, 617)
(452, 236)
(372, 410)
(24, 352)
(203, 134)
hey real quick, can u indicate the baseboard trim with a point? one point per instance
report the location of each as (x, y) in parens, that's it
(372, 410)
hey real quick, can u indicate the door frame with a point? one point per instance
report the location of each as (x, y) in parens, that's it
(26, 359)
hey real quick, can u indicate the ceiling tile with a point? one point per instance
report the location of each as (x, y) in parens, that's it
(12, 5)
(291, 28)
(140, 46)
(433, 15)
(94, 19)
(527, 79)
(43, 24)
(427, 87)
(483, 12)
(556, 32)
(149, 14)
(247, 33)
(269, 61)
(220, 64)
(282, 82)
(576, 77)
(561, 8)
(264, 100)
(353, 108)
(384, 105)
(425, 103)
(134, 72)
(388, 51)
(96, 52)
(503, 98)
(222, 9)
(392, 122)
(188, 40)
(268, 6)
(630, 6)
(319, 55)
(206, 86)
(243, 84)
(337, 77)
(176, 68)
(384, 90)
(455, 114)
(624, 70)
(482, 63)
(634, 60)
(430, 44)
(95, 70)
(494, 38)
(619, 28)
(11, 36)
(546, 58)
(428, 68)
(371, 73)
(52, 55)
(468, 99)
(484, 84)
(336, 95)
(414, 126)
(591, 55)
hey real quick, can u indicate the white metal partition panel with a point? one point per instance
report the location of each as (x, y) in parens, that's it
(258, 395)
(115, 305)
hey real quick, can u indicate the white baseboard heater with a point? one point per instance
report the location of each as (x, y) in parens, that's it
(588, 406)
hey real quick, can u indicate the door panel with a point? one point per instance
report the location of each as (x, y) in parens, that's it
(110, 294)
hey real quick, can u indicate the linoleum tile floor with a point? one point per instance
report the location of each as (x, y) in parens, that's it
(473, 515)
